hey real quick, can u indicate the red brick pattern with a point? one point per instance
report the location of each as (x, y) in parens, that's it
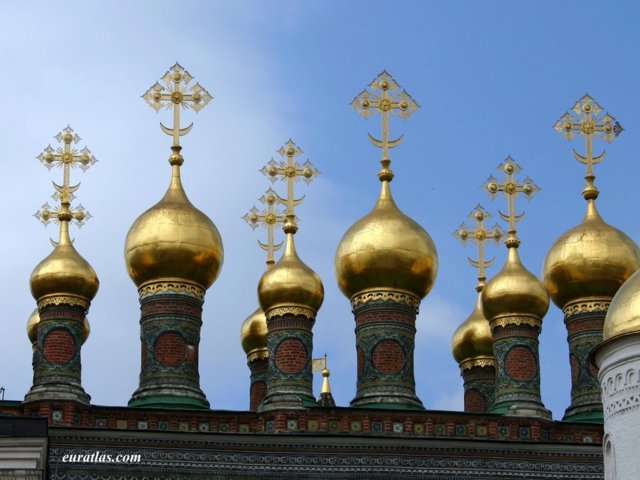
(360, 356)
(170, 349)
(291, 356)
(388, 357)
(256, 394)
(521, 364)
(400, 315)
(474, 402)
(58, 346)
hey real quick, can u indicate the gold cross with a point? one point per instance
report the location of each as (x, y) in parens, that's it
(511, 189)
(587, 120)
(382, 98)
(290, 171)
(177, 94)
(66, 157)
(480, 235)
(269, 218)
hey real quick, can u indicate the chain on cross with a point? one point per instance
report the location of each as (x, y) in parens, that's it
(268, 217)
(290, 170)
(383, 97)
(177, 94)
(67, 157)
(511, 188)
(480, 235)
(587, 119)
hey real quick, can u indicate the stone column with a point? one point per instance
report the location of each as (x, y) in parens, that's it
(57, 369)
(290, 344)
(385, 340)
(479, 376)
(584, 320)
(515, 347)
(170, 325)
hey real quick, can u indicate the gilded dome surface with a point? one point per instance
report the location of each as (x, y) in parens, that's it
(592, 259)
(290, 282)
(386, 249)
(623, 315)
(473, 337)
(253, 333)
(173, 239)
(514, 290)
(32, 325)
(64, 271)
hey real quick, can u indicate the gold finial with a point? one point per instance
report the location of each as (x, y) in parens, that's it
(587, 120)
(320, 365)
(291, 171)
(67, 157)
(269, 218)
(382, 98)
(511, 189)
(480, 235)
(177, 93)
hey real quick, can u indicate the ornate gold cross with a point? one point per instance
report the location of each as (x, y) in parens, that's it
(176, 93)
(480, 235)
(511, 189)
(269, 217)
(587, 120)
(66, 157)
(383, 98)
(290, 171)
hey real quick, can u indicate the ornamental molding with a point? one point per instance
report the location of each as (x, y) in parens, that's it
(621, 390)
(291, 310)
(384, 295)
(257, 354)
(477, 362)
(517, 320)
(587, 306)
(72, 300)
(171, 286)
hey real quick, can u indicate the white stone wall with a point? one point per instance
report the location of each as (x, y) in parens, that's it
(619, 376)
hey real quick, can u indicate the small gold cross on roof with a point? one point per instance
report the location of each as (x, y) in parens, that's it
(66, 157)
(383, 97)
(586, 119)
(269, 217)
(480, 235)
(511, 188)
(290, 170)
(177, 94)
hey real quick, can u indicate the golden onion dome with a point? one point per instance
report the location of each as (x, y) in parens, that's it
(32, 325)
(253, 333)
(623, 316)
(473, 338)
(386, 249)
(86, 329)
(514, 290)
(173, 239)
(290, 282)
(64, 272)
(591, 260)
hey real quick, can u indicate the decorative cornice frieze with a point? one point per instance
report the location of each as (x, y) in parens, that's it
(587, 305)
(171, 286)
(386, 295)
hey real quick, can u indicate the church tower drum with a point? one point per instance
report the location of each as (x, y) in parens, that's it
(587, 265)
(63, 284)
(173, 253)
(385, 264)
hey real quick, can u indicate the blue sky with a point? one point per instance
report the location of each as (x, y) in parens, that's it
(491, 77)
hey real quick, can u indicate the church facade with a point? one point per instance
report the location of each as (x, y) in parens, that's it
(386, 263)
